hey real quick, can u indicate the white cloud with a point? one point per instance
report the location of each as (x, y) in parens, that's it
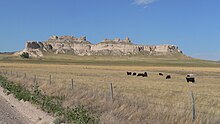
(143, 2)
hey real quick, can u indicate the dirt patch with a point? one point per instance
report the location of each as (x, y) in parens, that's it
(32, 113)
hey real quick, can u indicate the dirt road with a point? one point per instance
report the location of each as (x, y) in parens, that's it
(9, 115)
(13, 111)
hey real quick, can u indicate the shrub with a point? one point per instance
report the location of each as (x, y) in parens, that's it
(79, 115)
(25, 55)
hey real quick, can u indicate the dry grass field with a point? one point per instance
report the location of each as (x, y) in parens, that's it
(137, 100)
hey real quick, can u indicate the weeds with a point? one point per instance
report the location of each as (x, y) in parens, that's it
(77, 115)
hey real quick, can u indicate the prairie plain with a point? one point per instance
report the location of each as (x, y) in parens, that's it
(85, 80)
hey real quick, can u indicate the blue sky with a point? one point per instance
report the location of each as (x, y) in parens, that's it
(193, 25)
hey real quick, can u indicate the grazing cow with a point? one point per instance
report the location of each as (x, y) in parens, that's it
(134, 73)
(145, 74)
(190, 78)
(161, 74)
(128, 73)
(168, 77)
(140, 74)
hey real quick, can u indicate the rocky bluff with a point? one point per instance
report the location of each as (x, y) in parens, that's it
(82, 47)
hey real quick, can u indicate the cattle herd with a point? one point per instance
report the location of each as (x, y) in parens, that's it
(189, 77)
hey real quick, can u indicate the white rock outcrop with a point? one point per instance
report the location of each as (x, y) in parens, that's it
(80, 46)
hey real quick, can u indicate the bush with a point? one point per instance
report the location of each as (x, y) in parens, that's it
(79, 115)
(25, 55)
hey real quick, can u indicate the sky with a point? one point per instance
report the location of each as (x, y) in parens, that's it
(192, 25)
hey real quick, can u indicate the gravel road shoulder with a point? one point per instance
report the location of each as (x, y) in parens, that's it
(13, 111)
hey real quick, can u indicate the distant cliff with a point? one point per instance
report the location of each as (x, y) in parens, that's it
(82, 47)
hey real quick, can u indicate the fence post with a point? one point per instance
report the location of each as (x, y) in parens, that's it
(35, 78)
(17, 74)
(11, 73)
(72, 83)
(25, 75)
(193, 107)
(111, 92)
(50, 79)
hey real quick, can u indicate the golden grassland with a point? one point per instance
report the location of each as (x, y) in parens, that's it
(137, 100)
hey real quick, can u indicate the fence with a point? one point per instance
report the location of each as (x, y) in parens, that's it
(37, 79)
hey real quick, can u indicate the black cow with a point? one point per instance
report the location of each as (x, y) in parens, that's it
(145, 74)
(140, 74)
(161, 74)
(128, 73)
(168, 77)
(134, 73)
(190, 79)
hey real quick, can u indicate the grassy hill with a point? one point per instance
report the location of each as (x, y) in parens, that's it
(113, 60)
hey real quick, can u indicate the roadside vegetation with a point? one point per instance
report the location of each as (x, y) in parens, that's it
(53, 105)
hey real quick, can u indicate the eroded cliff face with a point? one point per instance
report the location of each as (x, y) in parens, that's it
(80, 46)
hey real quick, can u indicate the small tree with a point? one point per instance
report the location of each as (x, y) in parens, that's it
(25, 55)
